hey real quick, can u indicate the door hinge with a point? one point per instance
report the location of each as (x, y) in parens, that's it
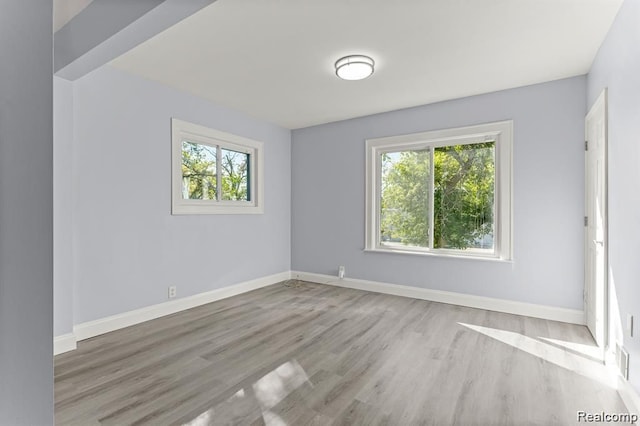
(586, 221)
(586, 145)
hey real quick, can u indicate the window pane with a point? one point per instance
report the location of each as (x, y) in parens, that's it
(464, 184)
(235, 175)
(404, 201)
(198, 171)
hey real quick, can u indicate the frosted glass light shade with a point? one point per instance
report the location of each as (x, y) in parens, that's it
(354, 67)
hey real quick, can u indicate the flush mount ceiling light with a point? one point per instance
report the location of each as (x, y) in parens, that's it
(354, 67)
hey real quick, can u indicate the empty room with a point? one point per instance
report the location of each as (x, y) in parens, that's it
(319, 213)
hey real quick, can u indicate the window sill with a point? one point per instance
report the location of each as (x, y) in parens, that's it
(438, 255)
(187, 209)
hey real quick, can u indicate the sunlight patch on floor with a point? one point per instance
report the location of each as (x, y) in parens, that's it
(203, 419)
(590, 351)
(268, 391)
(578, 364)
(275, 386)
(272, 419)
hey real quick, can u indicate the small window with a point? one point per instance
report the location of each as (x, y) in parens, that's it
(214, 172)
(445, 192)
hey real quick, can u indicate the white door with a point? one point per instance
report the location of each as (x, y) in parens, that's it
(596, 219)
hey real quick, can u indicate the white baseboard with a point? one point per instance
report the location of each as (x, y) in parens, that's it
(572, 316)
(627, 393)
(68, 342)
(94, 328)
(115, 322)
(64, 343)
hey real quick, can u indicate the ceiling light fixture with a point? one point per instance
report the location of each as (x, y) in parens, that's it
(354, 67)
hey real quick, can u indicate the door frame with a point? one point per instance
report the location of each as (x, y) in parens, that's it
(601, 103)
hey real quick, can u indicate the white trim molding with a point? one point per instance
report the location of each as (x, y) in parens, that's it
(68, 342)
(183, 131)
(499, 133)
(115, 322)
(100, 326)
(572, 316)
(64, 343)
(628, 394)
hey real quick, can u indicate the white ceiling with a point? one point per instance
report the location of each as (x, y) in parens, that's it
(274, 59)
(66, 10)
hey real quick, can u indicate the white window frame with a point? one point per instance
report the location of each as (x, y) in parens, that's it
(183, 130)
(501, 132)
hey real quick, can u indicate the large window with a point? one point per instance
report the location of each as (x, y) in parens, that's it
(214, 172)
(444, 192)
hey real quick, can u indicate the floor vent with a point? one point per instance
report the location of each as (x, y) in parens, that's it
(622, 358)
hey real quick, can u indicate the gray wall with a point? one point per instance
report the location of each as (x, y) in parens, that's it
(127, 247)
(62, 206)
(617, 66)
(328, 166)
(26, 228)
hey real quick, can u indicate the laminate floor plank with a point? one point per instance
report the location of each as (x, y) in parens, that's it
(575, 358)
(233, 370)
(298, 353)
(120, 341)
(163, 325)
(502, 390)
(171, 350)
(450, 350)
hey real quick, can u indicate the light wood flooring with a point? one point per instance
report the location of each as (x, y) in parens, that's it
(298, 353)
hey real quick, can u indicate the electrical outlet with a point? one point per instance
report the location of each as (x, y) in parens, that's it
(173, 291)
(341, 272)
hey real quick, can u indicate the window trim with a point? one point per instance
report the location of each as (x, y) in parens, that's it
(183, 130)
(502, 131)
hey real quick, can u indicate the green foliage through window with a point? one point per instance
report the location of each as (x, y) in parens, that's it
(200, 173)
(235, 175)
(440, 197)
